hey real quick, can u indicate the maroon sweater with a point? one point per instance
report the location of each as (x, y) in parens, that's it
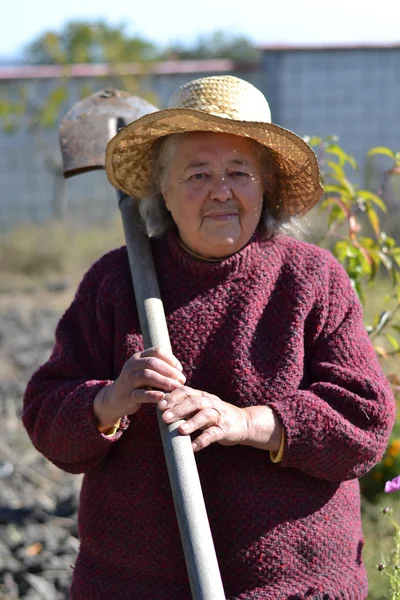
(277, 324)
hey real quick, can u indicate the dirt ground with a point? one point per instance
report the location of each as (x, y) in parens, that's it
(38, 502)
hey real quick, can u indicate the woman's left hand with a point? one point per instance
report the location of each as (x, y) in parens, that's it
(220, 421)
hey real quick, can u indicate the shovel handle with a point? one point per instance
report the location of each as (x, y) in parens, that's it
(201, 561)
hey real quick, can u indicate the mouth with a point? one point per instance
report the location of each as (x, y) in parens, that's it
(222, 216)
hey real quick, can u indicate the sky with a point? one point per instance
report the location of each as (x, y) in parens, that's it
(166, 21)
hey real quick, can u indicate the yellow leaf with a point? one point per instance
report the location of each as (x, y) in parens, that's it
(381, 150)
(374, 220)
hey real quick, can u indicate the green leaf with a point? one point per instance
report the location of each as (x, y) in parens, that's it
(342, 155)
(48, 116)
(57, 96)
(8, 108)
(54, 49)
(314, 140)
(337, 170)
(393, 342)
(358, 289)
(381, 150)
(337, 189)
(367, 265)
(388, 297)
(396, 258)
(338, 202)
(374, 270)
(374, 198)
(339, 175)
(387, 242)
(9, 126)
(86, 90)
(340, 250)
(395, 274)
(371, 248)
(336, 214)
(332, 138)
(369, 243)
(5, 108)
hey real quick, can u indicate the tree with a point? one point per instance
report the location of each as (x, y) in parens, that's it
(89, 42)
(219, 44)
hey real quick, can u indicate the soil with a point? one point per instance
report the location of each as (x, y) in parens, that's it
(38, 501)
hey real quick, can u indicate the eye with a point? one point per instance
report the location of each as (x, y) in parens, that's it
(239, 175)
(198, 176)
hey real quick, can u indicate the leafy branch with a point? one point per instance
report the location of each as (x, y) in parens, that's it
(360, 244)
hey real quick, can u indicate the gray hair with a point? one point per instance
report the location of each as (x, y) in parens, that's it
(158, 219)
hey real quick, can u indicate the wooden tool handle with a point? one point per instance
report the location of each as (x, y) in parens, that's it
(198, 547)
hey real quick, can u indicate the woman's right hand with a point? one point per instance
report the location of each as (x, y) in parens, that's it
(152, 368)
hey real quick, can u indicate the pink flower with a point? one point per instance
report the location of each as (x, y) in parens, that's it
(393, 486)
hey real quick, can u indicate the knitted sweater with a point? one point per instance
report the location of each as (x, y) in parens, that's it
(278, 324)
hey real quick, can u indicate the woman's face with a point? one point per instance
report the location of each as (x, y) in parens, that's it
(214, 192)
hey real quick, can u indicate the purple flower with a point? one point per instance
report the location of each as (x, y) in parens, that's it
(393, 486)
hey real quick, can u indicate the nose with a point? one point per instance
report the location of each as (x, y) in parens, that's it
(221, 189)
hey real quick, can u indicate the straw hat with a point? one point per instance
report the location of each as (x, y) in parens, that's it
(221, 104)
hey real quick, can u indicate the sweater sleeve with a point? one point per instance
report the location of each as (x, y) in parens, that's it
(58, 402)
(338, 427)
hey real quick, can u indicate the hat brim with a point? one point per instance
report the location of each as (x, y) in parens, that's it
(129, 153)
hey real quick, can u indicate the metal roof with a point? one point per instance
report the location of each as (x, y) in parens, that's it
(100, 70)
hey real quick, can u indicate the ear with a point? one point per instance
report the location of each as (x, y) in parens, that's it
(166, 195)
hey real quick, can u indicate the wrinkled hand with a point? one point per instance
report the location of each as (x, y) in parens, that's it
(153, 368)
(219, 421)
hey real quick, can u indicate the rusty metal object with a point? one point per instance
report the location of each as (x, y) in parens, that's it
(87, 128)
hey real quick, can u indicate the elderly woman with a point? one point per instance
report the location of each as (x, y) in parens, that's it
(272, 371)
